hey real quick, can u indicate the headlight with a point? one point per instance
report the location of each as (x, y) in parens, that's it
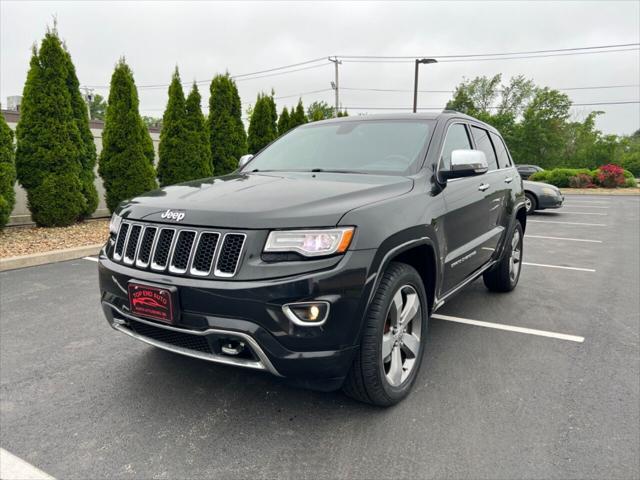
(310, 243)
(114, 224)
(550, 191)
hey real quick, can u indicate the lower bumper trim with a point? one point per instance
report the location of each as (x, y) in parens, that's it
(119, 321)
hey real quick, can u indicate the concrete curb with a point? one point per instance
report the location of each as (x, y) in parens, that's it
(11, 263)
(619, 192)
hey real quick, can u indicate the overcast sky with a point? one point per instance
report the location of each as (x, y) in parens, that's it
(207, 38)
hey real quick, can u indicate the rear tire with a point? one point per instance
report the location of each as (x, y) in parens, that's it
(530, 202)
(393, 337)
(504, 276)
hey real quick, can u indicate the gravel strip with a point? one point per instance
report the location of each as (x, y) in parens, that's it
(16, 241)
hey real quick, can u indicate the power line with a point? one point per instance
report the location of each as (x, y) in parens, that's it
(458, 60)
(624, 102)
(452, 91)
(413, 57)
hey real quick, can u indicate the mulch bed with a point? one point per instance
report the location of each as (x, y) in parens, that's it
(15, 241)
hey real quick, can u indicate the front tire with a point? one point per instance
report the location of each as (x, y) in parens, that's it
(530, 202)
(505, 275)
(392, 344)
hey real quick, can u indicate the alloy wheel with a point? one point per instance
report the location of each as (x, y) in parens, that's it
(516, 256)
(402, 335)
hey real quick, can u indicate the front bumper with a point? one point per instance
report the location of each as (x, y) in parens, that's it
(215, 311)
(550, 201)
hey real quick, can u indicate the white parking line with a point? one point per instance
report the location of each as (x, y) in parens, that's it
(93, 259)
(562, 267)
(509, 328)
(563, 238)
(586, 213)
(571, 205)
(568, 223)
(14, 468)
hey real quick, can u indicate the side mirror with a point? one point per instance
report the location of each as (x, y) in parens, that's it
(244, 160)
(466, 163)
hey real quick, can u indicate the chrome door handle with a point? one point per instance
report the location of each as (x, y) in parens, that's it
(508, 180)
(483, 187)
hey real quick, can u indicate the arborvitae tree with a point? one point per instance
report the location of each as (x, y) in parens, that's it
(199, 135)
(174, 161)
(284, 122)
(343, 113)
(262, 126)
(226, 132)
(7, 172)
(48, 155)
(297, 116)
(87, 146)
(125, 164)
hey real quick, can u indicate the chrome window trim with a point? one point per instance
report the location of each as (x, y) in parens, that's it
(199, 273)
(154, 265)
(130, 261)
(217, 272)
(124, 245)
(153, 244)
(173, 269)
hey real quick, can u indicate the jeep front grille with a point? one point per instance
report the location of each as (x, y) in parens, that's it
(182, 251)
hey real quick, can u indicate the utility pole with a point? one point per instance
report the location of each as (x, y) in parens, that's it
(335, 84)
(415, 80)
(88, 97)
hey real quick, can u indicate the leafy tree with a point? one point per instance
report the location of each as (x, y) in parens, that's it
(152, 121)
(227, 136)
(319, 111)
(97, 107)
(542, 136)
(87, 146)
(7, 172)
(283, 122)
(48, 155)
(262, 126)
(343, 113)
(199, 138)
(297, 116)
(126, 161)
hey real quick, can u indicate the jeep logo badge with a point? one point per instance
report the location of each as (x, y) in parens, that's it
(171, 215)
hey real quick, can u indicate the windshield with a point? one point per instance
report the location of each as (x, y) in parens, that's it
(384, 147)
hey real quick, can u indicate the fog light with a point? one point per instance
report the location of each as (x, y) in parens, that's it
(307, 314)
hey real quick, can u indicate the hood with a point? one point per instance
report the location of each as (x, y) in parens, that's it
(265, 200)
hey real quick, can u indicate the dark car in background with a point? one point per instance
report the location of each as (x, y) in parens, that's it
(526, 171)
(322, 258)
(540, 196)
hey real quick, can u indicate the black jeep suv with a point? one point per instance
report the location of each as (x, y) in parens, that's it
(321, 258)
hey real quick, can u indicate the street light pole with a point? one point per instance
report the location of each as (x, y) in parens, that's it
(415, 80)
(336, 85)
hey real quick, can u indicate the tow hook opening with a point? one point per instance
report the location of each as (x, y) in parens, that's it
(233, 347)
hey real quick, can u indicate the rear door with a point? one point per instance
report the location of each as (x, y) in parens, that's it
(496, 196)
(466, 219)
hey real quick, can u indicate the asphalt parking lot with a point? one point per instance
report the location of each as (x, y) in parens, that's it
(553, 396)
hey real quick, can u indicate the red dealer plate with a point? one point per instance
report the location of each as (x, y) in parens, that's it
(151, 302)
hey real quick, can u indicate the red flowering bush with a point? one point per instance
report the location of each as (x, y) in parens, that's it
(582, 180)
(610, 176)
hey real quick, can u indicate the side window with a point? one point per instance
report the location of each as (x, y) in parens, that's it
(457, 139)
(481, 136)
(501, 151)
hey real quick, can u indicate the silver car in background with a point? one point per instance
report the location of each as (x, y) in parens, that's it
(540, 196)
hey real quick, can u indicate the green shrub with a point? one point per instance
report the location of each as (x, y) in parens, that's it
(126, 160)
(581, 180)
(262, 125)
(7, 172)
(181, 154)
(87, 146)
(227, 137)
(560, 177)
(48, 153)
(631, 162)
